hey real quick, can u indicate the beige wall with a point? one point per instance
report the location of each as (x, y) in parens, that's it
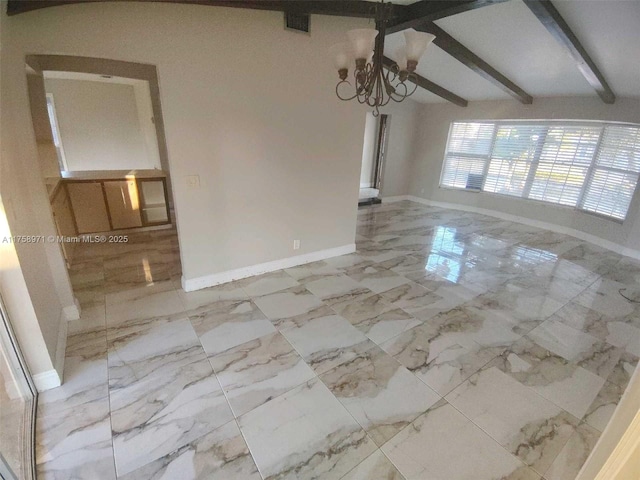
(399, 155)
(33, 277)
(430, 145)
(248, 106)
(268, 138)
(99, 125)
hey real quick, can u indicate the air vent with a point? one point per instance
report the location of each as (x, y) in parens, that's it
(296, 21)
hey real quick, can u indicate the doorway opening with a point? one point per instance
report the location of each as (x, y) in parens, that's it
(103, 159)
(373, 157)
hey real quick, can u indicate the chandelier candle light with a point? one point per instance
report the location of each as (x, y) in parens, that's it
(373, 85)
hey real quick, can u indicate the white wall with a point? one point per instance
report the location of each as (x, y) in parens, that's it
(430, 145)
(100, 125)
(368, 150)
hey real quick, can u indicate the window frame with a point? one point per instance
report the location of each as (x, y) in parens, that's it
(536, 162)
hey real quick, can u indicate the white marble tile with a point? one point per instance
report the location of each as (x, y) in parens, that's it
(283, 307)
(219, 455)
(75, 443)
(257, 371)
(411, 297)
(143, 303)
(376, 279)
(161, 413)
(532, 428)
(152, 346)
(91, 318)
(230, 323)
(444, 444)
(305, 433)
(337, 289)
(566, 383)
(268, 283)
(604, 405)
(202, 299)
(314, 271)
(326, 342)
(85, 374)
(441, 352)
(571, 458)
(381, 394)
(375, 467)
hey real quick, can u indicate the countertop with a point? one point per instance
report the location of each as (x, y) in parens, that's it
(112, 174)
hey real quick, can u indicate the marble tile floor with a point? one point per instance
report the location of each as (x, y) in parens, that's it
(450, 346)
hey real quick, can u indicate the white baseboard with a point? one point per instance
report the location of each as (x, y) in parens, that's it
(587, 237)
(47, 380)
(72, 312)
(199, 283)
(398, 198)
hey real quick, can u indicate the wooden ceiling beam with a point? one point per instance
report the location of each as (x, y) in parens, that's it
(430, 10)
(344, 8)
(461, 53)
(431, 87)
(558, 27)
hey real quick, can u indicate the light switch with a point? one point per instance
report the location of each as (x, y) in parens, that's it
(193, 181)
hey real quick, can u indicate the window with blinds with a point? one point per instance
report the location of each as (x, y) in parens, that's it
(591, 166)
(467, 155)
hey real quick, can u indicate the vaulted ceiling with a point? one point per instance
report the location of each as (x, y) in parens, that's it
(494, 49)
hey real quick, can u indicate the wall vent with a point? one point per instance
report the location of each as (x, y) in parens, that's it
(296, 21)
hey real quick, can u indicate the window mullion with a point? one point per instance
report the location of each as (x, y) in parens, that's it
(590, 170)
(533, 168)
(487, 163)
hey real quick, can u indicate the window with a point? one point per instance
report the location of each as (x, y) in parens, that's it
(55, 131)
(591, 166)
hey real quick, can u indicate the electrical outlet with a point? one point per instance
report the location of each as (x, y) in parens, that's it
(193, 181)
(296, 244)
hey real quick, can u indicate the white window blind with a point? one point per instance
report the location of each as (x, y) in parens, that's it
(564, 163)
(615, 174)
(592, 166)
(467, 155)
(514, 151)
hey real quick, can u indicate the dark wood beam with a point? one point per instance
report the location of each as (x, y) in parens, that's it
(430, 10)
(345, 8)
(461, 53)
(557, 26)
(431, 87)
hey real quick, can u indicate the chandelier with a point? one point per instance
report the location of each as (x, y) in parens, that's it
(373, 86)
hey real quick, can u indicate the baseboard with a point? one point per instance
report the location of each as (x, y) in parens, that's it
(199, 283)
(587, 237)
(72, 312)
(398, 198)
(47, 380)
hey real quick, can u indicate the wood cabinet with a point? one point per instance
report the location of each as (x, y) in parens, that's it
(123, 203)
(112, 203)
(64, 221)
(89, 209)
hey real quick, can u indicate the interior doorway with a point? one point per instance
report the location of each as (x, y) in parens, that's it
(373, 158)
(104, 161)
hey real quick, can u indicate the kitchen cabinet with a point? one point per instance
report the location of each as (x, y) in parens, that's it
(123, 203)
(64, 221)
(116, 200)
(89, 209)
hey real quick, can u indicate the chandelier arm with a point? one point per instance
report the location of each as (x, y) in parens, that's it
(344, 99)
